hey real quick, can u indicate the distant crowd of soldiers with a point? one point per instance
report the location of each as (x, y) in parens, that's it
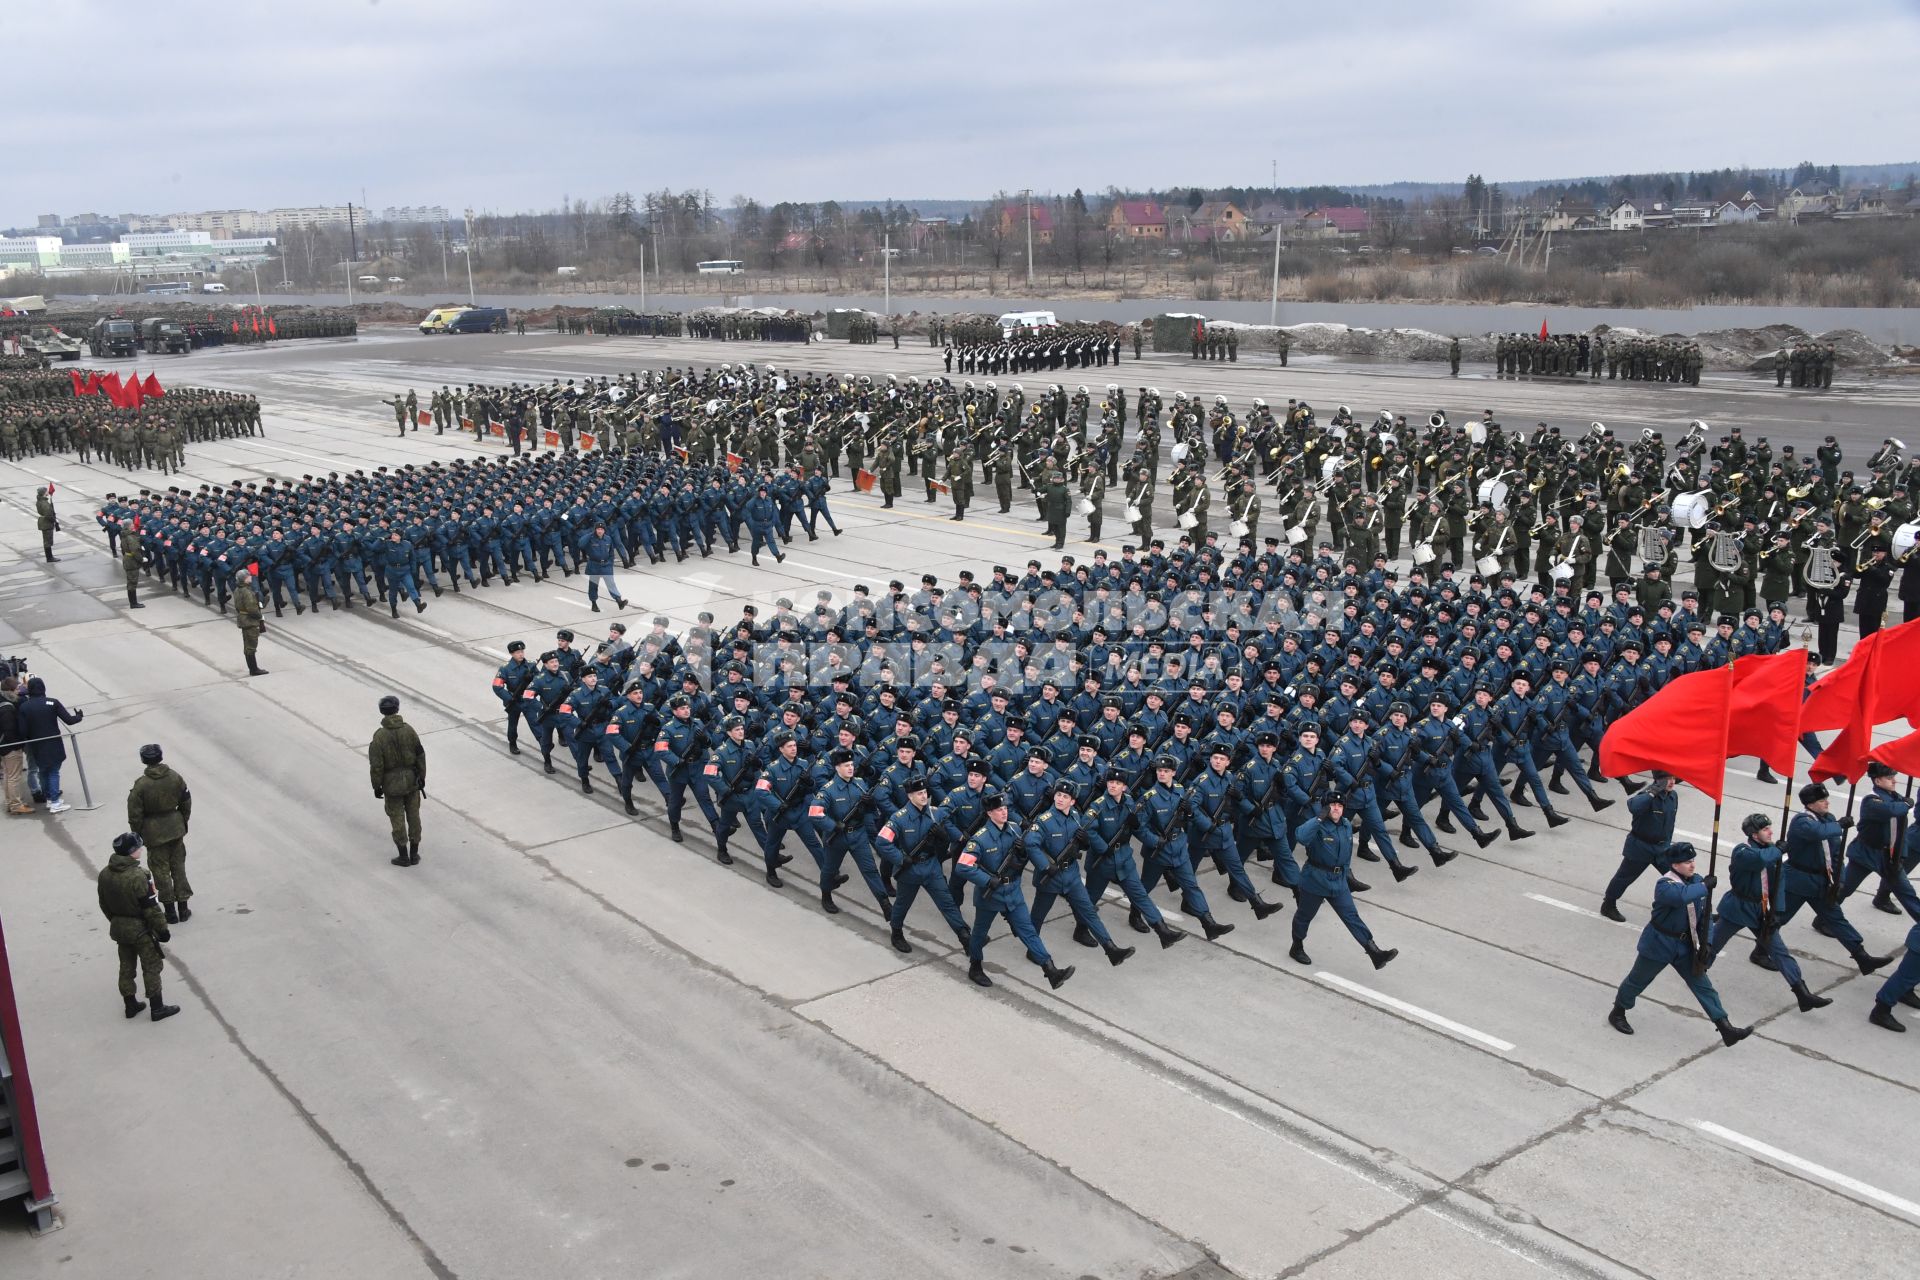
(667, 324)
(39, 414)
(1025, 349)
(1810, 365)
(1211, 342)
(749, 326)
(1568, 355)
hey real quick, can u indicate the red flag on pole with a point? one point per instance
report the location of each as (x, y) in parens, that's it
(1839, 697)
(1681, 729)
(272, 330)
(93, 384)
(110, 386)
(130, 390)
(151, 388)
(1894, 691)
(1543, 328)
(1902, 753)
(1764, 718)
(79, 384)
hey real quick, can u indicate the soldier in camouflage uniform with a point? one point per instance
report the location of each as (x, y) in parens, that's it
(136, 924)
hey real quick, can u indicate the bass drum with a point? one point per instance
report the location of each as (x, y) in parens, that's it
(1423, 553)
(1562, 572)
(1904, 538)
(1488, 566)
(1086, 506)
(1296, 534)
(1132, 514)
(1494, 493)
(1188, 520)
(1690, 510)
(1329, 465)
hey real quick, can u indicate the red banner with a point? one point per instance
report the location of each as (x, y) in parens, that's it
(1764, 719)
(1682, 729)
(863, 481)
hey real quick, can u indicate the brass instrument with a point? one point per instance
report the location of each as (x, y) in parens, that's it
(1799, 492)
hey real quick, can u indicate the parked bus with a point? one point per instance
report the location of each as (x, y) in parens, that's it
(720, 267)
(169, 286)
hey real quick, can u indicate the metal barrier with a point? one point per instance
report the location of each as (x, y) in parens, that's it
(75, 760)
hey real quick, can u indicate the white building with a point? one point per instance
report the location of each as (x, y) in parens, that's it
(95, 257)
(154, 244)
(1625, 216)
(30, 252)
(413, 213)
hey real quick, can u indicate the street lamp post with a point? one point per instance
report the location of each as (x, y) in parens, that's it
(256, 286)
(470, 298)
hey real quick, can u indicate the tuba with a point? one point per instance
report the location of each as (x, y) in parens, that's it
(1437, 420)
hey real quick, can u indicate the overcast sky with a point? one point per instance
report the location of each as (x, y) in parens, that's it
(505, 104)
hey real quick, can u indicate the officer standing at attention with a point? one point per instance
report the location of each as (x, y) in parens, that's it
(1672, 938)
(159, 806)
(130, 564)
(1327, 842)
(397, 764)
(135, 923)
(48, 521)
(250, 618)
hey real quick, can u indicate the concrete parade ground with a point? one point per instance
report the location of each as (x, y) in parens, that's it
(565, 1046)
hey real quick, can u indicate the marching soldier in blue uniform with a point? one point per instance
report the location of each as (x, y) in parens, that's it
(1327, 843)
(1165, 809)
(1440, 740)
(1263, 809)
(510, 684)
(1215, 808)
(1814, 852)
(1397, 757)
(1109, 826)
(591, 706)
(629, 738)
(841, 812)
(1754, 892)
(1871, 853)
(1054, 843)
(1351, 765)
(911, 841)
(1899, 987)
(994, 861)
(677, 752)
(544, 698)
(783, 792)
(728, 778)
(1652, 812)
(1672, 939)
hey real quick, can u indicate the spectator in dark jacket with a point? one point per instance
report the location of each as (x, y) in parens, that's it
(40, 718)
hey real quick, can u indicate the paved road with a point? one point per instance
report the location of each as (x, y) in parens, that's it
(564, 1045)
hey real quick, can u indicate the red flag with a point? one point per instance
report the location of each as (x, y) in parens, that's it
(1839, 697)
(151, 388)
(272, 330)
(1894, 690)
(1764, 718)
(130, 391)
(253, 567)
(110, 386)
(254, 320)
(79, 385)
(1681, 729)
(1543, 328)
(1902, 753)
(94, 382)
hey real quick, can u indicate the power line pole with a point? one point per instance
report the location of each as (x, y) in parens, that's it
(886, 259)
(470, 298)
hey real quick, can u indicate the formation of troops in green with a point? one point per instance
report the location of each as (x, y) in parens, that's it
(1805, 364)
(40, 415)
(1570, 355)
(749, 326)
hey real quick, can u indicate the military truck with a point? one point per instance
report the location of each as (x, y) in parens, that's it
(50, 342)
(159, 334)
(113, 336)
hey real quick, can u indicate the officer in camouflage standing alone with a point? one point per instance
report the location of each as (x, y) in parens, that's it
(398, 766)
(135, 923)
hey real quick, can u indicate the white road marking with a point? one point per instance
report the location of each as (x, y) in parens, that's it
(1111, 894)
(1579, 911)
(1812, 1170)
(851, 577)
(706, 580)
(1415, 1011)
(1692, 835)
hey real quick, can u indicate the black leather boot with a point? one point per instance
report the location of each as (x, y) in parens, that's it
(1117, 956)
(134, 1006)
(1056, 976)
(1882, 1016)
(1618, 1020)
(1214, 928)
(1381, 957)
(1168, 934)
(1298, 952)
(1809, 1001)
(1730, 1034)
(900, 942)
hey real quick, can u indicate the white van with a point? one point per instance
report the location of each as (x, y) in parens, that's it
(1026, 320)
(213, 286)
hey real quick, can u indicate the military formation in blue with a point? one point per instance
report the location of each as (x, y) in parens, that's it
(390, 532)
